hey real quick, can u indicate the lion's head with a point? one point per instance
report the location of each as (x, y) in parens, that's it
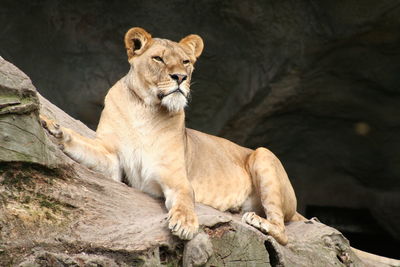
(161, 69)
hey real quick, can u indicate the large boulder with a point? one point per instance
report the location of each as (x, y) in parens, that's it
(55, 212)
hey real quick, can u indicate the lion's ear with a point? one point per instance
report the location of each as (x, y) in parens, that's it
(193, 43)
(136, 41)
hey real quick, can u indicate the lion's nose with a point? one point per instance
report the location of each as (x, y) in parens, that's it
(179, 78)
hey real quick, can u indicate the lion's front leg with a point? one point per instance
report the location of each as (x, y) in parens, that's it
(93, 153)
(179, 200)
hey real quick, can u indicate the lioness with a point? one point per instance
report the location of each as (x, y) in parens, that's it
(142, 136)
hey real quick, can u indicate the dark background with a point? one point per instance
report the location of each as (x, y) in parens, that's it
(317, 82)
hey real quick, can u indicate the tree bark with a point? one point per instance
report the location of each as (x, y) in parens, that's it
(56, 212)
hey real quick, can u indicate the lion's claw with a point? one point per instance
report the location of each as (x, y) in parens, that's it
(183, 224)
(52, 127)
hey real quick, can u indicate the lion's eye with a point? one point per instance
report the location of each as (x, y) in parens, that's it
(186, 61)
(157, 58)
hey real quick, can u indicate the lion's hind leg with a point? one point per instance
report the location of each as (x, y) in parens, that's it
(277, 196)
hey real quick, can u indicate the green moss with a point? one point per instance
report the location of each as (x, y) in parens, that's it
(47, 204)
(26, 199)
(15, 179)
(53, 204)
(23, 175)
(171, 258)
(17, 104)
(28, 190)
(9, 99)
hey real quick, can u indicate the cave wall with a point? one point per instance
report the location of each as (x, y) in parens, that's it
(317, 82)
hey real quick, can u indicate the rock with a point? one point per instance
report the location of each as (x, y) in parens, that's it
(197, 251)
(314, 81)
(21, 136)
(55, 212)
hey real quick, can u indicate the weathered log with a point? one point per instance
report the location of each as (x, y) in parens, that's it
(56, 212)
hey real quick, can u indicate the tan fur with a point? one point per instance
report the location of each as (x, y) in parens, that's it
(142, 136)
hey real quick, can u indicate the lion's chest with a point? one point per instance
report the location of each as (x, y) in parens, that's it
(149, 145)
(141, 168)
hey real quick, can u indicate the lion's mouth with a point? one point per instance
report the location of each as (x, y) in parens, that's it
(177, 90)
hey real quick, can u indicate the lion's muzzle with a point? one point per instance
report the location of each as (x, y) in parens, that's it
(177, 90)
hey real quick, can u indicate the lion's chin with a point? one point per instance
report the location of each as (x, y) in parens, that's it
(174, 102)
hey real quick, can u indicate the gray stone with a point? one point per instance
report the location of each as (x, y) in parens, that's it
(197, 251)
(21, 137)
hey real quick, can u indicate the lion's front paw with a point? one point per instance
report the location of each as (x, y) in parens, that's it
(52, 127)
(183, 222)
